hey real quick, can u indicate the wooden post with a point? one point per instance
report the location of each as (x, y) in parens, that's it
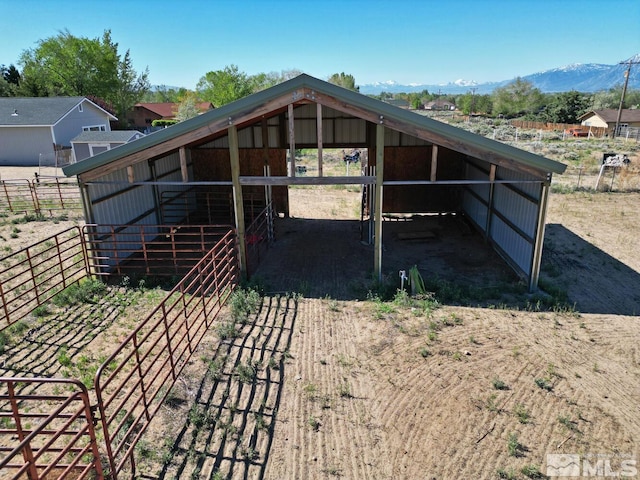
(537, 248)
(378, 201)
(130, 175)
(319, 135)
(434, 162)
(492, 186)
(238, 204)
(183, 164)
(292, 142)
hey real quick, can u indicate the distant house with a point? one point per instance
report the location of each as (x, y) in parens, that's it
(607, 118)
(88, 144)
(41, 128)
(143, 114)
(439, 105)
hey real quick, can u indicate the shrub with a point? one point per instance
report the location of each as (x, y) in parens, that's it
(83, 292)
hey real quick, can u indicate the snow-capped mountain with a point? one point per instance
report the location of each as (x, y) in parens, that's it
(589, 77)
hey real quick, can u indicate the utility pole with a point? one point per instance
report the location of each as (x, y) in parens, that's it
(624, 92)
(473, 91)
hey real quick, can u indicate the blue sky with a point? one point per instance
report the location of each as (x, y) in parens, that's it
(408, 41)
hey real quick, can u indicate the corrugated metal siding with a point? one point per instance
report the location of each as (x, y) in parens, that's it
(531, 189)
(168, 170)
(475, 209)
(125, 203)
(350, 130)
(512, 244)
(476, 197)
(393, 138)
(250, 137)
(517, 209)
(514, 213)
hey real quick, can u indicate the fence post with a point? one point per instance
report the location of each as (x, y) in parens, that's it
(6, 194)
(34, 197)
(33, 276)
(27, 453)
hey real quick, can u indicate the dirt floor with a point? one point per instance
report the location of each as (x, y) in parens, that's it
(347, 386)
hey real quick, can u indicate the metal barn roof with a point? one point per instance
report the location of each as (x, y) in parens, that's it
(305, 89)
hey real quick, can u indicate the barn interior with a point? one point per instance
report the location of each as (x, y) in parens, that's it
(425, 181)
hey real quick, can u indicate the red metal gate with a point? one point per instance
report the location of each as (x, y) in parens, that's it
(44, 434)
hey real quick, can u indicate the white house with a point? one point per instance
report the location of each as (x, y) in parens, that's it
(41, 127)
(90, 143)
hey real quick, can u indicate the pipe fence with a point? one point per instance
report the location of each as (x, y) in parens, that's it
(135, 380)
(47, 435)
(33, 275)
(39, 196)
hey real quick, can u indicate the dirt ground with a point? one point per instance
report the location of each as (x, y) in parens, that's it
(345, 387)
(440, 416)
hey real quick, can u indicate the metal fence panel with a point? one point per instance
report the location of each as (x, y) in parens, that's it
(47, 435)
(135, 380)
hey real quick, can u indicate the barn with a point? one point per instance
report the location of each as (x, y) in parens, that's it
(234, 163)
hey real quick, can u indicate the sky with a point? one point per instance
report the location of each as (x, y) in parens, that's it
(406, 41)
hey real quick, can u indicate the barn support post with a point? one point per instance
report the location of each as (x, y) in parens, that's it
(378, 200)
(292, 142)
(537, 248)
(434, 162)
(238, 204)
(319, 135)
(492, 185)
(184, 169)
(157, 201)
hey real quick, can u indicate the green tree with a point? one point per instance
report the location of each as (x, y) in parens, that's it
(566, 107)
(164, 94)
(187, 108)
(10, 74)
(69, 65)
(262, 81)
(517, 98)
(471, 103)
(9, 81)
(344, 80)
(611, 99)
(224, 86)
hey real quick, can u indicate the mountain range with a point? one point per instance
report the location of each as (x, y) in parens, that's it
(588, 77)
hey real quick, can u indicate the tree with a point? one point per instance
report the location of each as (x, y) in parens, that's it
(344, 80)
(262, 81)
(187, 108)
(611, 99)
(9, 80)
(472, 103)
(516, 98)
(224, 86)
(164, 94)
(80, 66)
(566, 107)
(10, 74)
